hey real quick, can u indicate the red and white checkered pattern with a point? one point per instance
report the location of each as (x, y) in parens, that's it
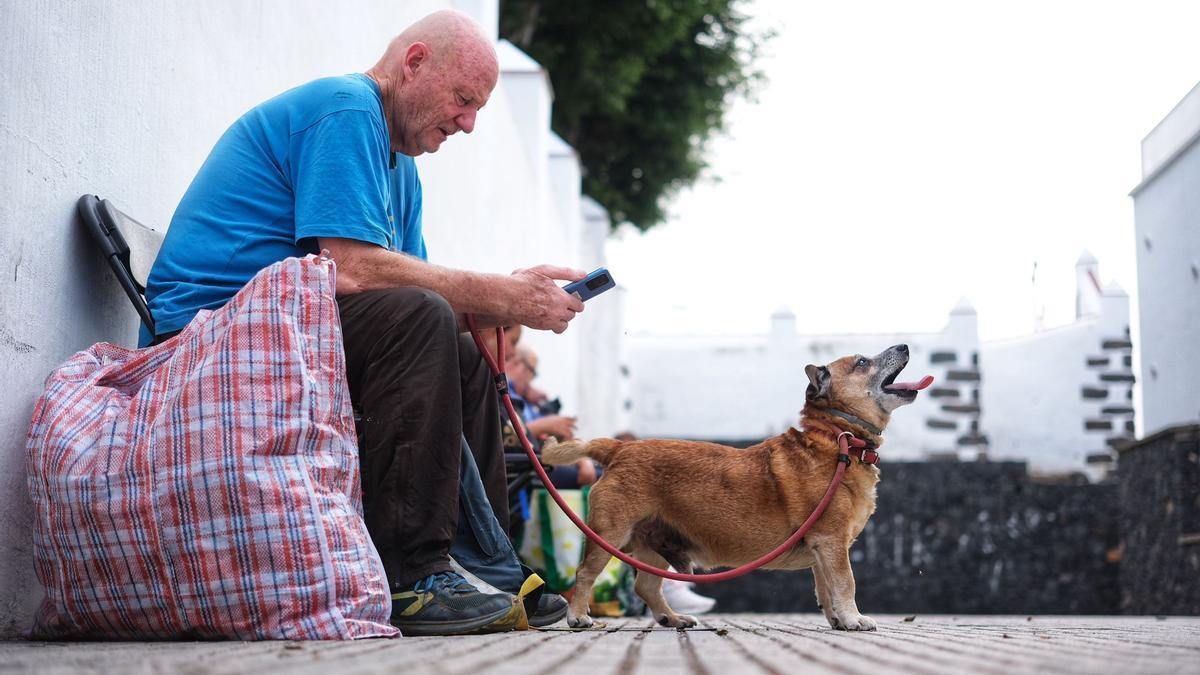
(208, 487)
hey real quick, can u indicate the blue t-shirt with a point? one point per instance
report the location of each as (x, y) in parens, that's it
(312, 162)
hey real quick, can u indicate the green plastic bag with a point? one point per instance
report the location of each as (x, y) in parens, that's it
(553, 545)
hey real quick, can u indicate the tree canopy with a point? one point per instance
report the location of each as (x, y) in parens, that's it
(640, 87)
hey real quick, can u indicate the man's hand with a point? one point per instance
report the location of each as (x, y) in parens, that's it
(558, 426)
(539, 303)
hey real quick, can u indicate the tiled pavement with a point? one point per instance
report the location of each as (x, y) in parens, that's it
(722, 645)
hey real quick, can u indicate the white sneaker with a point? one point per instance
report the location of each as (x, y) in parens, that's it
(684, 600)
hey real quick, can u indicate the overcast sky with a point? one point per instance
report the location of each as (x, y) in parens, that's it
(905, 154)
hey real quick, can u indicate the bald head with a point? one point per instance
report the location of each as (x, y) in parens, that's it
(434, 78)
(454, 39)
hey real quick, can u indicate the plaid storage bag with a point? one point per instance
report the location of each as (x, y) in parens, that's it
(208, 487)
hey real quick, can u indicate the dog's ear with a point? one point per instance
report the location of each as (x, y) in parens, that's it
(818, 378)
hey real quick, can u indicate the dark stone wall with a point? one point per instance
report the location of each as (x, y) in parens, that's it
(1160, 523)
(978, 537)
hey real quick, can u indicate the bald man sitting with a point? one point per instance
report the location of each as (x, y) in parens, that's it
(328, 165)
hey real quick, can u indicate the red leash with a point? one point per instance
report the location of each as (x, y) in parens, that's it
(845, 441)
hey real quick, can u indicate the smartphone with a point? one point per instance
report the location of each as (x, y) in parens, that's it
(592, 285)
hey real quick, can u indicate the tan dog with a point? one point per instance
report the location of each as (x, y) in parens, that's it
(689, 504)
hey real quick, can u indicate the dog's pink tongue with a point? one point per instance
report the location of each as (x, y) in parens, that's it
(912, 386)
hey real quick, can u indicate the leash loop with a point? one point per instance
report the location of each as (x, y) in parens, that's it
(501, 383)
(788, 544)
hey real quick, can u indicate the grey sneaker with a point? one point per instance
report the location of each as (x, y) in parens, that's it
(446, 604)
(551, 608)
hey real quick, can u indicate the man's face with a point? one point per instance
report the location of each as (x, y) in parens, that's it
(442, 100)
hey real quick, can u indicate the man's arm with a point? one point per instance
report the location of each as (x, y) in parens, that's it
(528, 297)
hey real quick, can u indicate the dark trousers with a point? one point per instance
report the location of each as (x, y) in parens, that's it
(422, 389)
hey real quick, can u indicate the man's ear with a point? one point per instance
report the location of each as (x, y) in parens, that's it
(415, 57)
(819, 379)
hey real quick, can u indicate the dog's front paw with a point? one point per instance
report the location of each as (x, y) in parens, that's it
(677, 620)
(584, 621)
(854, 622)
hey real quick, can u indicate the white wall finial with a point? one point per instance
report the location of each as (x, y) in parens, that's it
(1088, 290)
(783, 322)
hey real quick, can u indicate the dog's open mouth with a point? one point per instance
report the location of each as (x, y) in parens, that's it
(905, 389)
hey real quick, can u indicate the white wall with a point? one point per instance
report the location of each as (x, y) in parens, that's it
(1059, 397)
(601, 387)
(1034, 405)
(125, 100)
(1167, 215)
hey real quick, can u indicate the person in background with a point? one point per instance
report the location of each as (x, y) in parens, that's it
(522, 368)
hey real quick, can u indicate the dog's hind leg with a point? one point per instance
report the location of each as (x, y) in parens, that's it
(832, 561)
(614, 526)
(649, 589)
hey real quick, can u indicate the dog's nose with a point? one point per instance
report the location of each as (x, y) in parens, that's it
(903, 349)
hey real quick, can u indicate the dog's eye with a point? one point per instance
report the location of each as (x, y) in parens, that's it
(861, 363)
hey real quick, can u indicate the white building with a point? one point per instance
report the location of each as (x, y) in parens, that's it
(1167, 214)
(1062, 399)
(149, 89)
(1058, 399)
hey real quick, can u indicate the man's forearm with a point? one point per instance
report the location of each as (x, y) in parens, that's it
(529, 297)
(366, 268)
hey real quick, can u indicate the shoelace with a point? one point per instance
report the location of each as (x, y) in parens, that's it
(452, 580)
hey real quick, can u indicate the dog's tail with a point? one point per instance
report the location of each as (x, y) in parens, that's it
(569, 452)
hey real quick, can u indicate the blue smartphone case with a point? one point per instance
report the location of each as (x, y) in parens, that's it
(592, 285)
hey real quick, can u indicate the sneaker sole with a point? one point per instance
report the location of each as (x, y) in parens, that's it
(543, 621)
(461, 627)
